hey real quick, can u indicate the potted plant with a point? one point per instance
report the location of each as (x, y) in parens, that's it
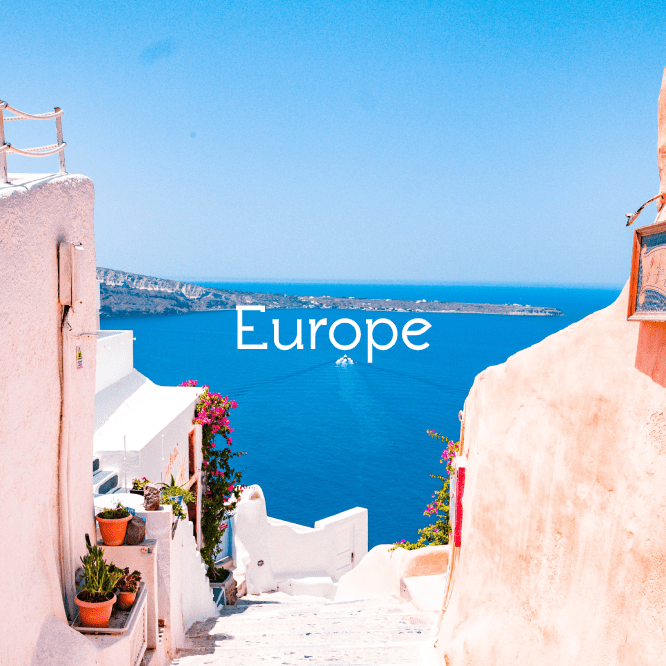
(138, 485)
(174, 495)
(96, 598)
(113, 525)
(128, 586)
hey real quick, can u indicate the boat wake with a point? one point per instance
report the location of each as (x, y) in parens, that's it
(344, 361)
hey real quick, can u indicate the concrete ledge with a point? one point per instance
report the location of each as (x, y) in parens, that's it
(426, 593)
(427, 561)
(314, 586)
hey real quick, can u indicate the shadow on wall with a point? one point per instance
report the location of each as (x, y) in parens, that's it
(651, 351)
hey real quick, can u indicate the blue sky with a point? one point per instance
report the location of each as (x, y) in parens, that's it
(407, 141)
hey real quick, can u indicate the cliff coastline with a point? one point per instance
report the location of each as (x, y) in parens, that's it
(130, 295)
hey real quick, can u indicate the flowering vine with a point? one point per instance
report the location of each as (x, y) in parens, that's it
(438, 532)
(221, 484)
(451, 450)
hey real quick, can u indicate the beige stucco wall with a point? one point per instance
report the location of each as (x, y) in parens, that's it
(35, 215)
(563, 557)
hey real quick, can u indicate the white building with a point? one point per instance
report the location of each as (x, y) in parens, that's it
(141, 429)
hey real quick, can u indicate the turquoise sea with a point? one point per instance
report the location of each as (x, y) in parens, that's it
(322, 438)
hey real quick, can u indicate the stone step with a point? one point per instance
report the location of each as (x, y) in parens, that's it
(377, 621)
(279, 611)
(318, 586)
(350, 654)
(104, 481)
(286, 600)
(278, 629)
(317, 636)
(404, 629)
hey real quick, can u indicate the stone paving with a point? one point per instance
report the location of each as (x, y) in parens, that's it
(279, 629)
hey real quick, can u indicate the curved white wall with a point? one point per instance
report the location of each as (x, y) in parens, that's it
(37, 213)
(270, 551)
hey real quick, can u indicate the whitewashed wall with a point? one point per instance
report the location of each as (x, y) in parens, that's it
(115, 357)
(270, 551)
(36, 213)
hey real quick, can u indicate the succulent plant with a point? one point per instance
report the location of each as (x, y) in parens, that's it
(129, 582)
(100, 578)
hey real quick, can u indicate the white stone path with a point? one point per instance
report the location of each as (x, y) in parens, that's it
(279, 629)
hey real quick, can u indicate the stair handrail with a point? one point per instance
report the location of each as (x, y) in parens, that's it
(40, 151)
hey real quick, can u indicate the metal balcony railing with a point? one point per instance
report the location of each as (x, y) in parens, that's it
(42, 151)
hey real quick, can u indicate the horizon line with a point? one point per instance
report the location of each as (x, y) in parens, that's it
(424, 283)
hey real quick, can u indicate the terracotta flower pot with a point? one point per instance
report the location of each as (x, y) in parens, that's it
(113, 529)
(95, 614)
(126, 600)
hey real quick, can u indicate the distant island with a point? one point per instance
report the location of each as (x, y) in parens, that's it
(130, 295)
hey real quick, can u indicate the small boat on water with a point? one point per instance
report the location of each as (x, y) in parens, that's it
(345, 360)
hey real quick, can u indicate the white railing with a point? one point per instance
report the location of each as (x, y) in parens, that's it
(42, 151)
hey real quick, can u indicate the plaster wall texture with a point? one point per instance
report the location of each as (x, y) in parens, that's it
(36, 213)
(563, 543)
(289, 551)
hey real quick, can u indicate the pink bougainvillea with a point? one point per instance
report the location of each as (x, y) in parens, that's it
(438, 532)
(221, 483)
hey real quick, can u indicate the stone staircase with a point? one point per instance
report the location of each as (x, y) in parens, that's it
(274, 628)
(104, 481)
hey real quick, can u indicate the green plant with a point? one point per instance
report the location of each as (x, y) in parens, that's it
(176, 506)
(100, 578)
(169, 494)
(129, 582)
(172, 489)
(139, 484)
(221, 487)
(113, 514)
(437, 533)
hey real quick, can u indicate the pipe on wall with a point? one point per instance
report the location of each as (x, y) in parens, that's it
(69, 298)
(67, 568)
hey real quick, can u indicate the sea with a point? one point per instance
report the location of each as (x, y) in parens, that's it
(322, 437)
